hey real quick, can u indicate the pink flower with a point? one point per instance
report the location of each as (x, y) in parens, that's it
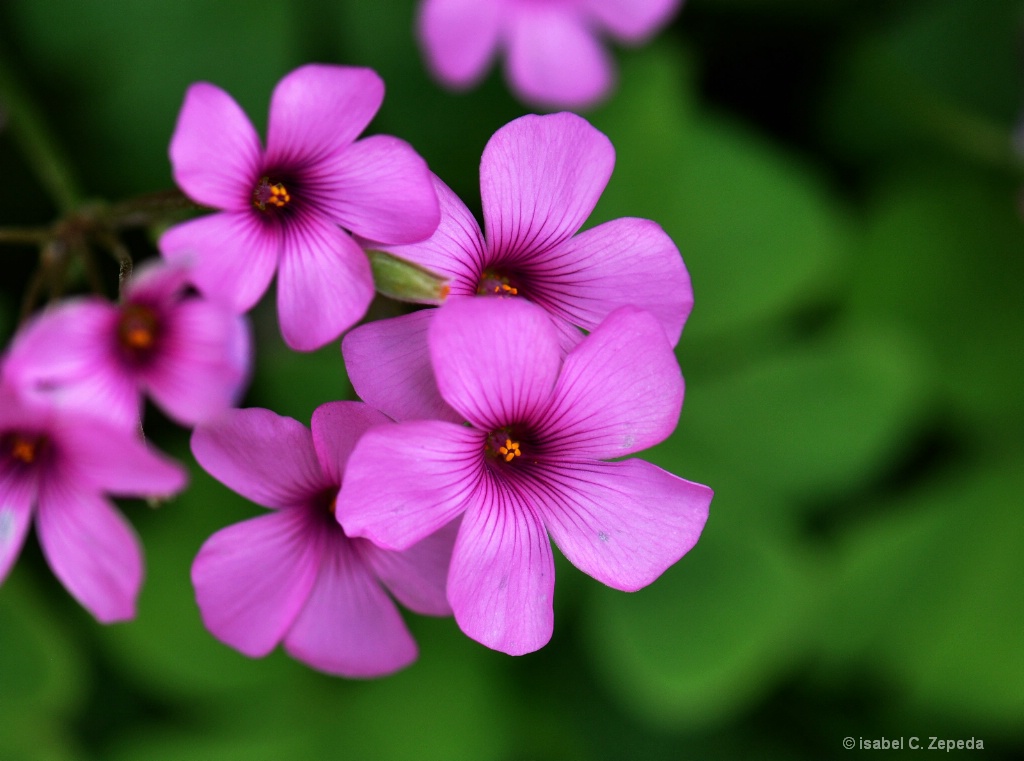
(280, 209)
(530, 464)
(58, 465)
(555, 57)
(294, 575)
(190, 354)
(540, 178)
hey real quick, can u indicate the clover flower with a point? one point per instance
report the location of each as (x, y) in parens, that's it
(190, 354)
(540, 178)
(57, 465)
(555, 57)
(295, 575)
(284, 208)
(531, 463)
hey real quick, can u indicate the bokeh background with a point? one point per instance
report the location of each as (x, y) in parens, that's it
(841, 179)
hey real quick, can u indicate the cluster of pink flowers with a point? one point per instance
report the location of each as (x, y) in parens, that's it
(489, 425)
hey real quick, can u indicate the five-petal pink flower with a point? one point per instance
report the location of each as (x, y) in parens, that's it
(58, 465)
(540, 178)
(532, 463)
(192, 355)
(295, 575)
(291, 207)
(555, 55)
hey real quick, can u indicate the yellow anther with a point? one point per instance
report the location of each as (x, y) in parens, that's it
(506, 289)
(510, 450)
(270, 194)
(278, 195)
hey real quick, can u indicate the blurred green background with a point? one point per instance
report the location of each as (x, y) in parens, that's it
(840, 179)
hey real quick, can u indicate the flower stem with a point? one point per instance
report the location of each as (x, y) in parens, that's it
(31, 236)
(37, 143)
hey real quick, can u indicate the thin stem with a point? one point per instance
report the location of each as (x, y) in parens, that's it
(33, 236)
(149, 208)
(37, 143)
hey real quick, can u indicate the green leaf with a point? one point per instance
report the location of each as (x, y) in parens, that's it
(928, 593)
(118, 69)
(941, 260)
(814, 419)
(759, 233)
(712, 634)
(903, 90)
(39, 663)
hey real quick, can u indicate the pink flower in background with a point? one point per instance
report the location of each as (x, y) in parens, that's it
(58, 465)
(555, 55)
(531, 464)
(540, 178)
(283, 208)
(294, 575)
(190, 354)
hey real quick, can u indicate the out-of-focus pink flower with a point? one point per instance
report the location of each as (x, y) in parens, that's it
(540, 178)
(283, 208)
(294, 575)
(555, 55)
(190, 354)
(58, 465)
(531, 463)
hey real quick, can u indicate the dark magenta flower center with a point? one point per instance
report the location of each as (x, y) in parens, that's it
(23, 448)
(505, 445)
(495, 282)
(138, 331)
(269, 195)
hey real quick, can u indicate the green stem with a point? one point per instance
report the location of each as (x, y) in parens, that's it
(31, 236)
(147, 209)
(37, 142)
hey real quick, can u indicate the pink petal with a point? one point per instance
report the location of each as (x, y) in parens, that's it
(324, 285)
(215, 152)
(97, 455)
(380, 189)
(554, 59)
(496, 359)
(337, 427)
(17, 497)
(622, 262)
(623, 523)
(406, 481)
(456, 250)
(232, 255)
(633, 20)
(418, 576)
(540, 177)
(91, 549)
(317, 110)
(502, 578)
(65, 356)
(349, 625)
(620, 390)
(459, 38)
(265, 457)
(253, 578)
(388, 362)
(157, 282)
(204, 362)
